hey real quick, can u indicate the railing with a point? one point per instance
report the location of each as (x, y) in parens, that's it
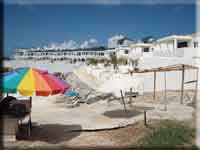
(169, 53)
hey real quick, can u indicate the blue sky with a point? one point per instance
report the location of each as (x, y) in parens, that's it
(34, 25)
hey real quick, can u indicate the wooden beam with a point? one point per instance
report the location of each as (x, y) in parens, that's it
(154, 89)
(188, 82)
(182, 83)
(164, 69)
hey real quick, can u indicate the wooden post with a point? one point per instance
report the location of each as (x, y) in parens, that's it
(30, 122)
(182, 84)
(29, 126)
(154, 90)
(123, 101)
(130, 97)
(145, 118)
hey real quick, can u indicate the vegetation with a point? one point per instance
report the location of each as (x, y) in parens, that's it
(169, 134)
(113, 59)
(134, 63)
(92, 61)
(122, 61)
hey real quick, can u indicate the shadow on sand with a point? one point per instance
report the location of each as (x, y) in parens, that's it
(118, 113)
(50, 133)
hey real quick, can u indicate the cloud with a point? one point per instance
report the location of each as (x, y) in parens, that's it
(116, 37)
(71, 44)
(90, 43)
(65, 45)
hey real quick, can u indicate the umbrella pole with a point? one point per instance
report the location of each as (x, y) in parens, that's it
(29, 122)
(123, 101)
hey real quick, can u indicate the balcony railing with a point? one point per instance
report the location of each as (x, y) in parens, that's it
(169, 53)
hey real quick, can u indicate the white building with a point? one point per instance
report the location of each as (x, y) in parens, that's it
(60, 54)
(169, 46)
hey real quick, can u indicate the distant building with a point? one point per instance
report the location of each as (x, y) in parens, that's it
(60, 54)
(169, 46)
(119, 40)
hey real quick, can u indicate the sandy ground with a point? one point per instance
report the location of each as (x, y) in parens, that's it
(56, 125)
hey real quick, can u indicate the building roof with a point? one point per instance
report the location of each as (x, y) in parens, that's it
(141, 45)
(101, 48)
(172, 37)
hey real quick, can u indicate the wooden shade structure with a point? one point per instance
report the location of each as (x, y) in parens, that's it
(177, 67)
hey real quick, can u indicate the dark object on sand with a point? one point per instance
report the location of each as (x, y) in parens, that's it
(11, 106)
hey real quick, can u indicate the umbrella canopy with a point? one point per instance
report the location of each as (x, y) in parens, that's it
(28, 81)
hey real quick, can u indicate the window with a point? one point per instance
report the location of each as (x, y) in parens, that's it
(146, 49)
(126, 52)
(196, 44)
(182, 44)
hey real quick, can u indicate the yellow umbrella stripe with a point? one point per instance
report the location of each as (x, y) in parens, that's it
(27, 85)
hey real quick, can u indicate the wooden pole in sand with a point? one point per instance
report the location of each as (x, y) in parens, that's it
(154, 90)
(130, 97)
(30, 122)
(182, 83)
(145, 118)
(123, 101)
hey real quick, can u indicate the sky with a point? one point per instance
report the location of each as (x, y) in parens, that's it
(38, 24)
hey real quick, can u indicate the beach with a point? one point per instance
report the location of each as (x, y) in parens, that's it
(98, 114)
(98, 124)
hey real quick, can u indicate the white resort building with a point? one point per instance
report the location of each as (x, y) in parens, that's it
(169, 46)
(60, 54)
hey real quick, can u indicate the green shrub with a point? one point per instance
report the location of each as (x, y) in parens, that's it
(92, 61)
(113, 60)
(169, 134)
(122, 61)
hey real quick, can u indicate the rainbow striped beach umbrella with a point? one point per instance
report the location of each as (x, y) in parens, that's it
(29, 81)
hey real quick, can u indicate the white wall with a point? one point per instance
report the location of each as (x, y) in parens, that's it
(173, 78)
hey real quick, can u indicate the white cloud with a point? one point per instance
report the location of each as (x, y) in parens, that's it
(52, 46)
(90, 43)
(65, 45)
(116, 37)
(71, 44)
